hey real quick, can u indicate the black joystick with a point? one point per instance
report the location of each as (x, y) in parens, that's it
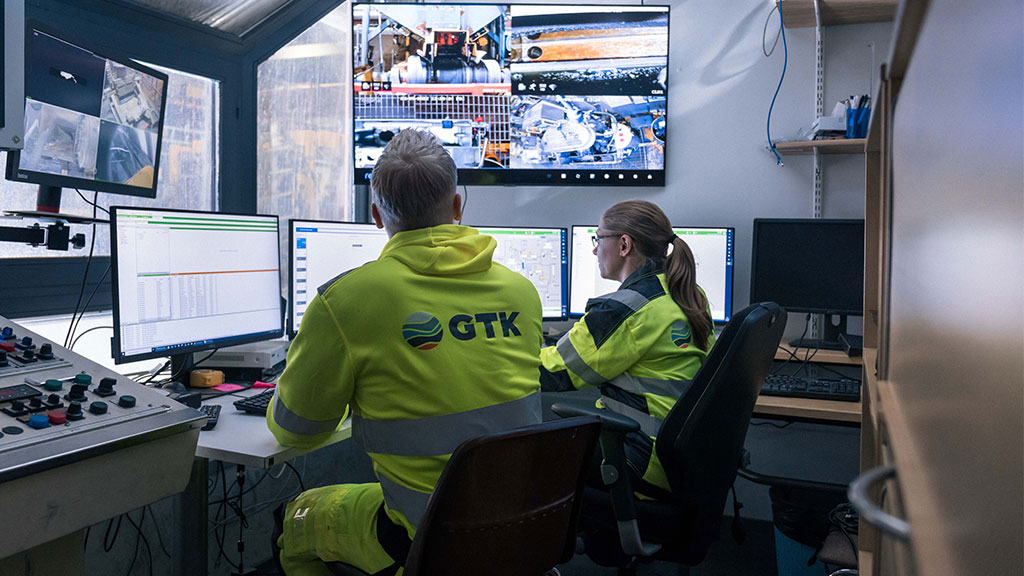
(46, 352)
(36, 403)
(18, 406)
(74, 411)
(77, 393)
(29, 356)
(106, 387)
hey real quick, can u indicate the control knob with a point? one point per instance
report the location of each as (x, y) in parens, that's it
(83, 378)
(53, 385)
(7, 333)
(77, 393)
(98, 407)
(106, 387)
(18, 406)
(74, 411)
(35, 403)
(126, 401)
(7, 345)
(29, 355)
(46, 352)
(26, 343)
(57, 417)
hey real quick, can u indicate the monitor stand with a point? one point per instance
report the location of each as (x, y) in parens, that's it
(48, 207)
(181, 367)
(830, 339)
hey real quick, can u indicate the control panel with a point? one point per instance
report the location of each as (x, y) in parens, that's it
(73, 431)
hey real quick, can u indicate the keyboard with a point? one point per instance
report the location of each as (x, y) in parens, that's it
(842, 389)
(256, 404)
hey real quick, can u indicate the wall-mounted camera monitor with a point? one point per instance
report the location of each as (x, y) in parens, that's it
(518, 94)
(92, 121)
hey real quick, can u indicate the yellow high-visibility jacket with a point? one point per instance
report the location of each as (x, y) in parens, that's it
(636, 345)
(429, 345)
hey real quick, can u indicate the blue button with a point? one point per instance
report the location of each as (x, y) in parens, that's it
(39, 421)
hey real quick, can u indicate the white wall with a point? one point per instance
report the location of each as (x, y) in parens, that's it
(720, 172)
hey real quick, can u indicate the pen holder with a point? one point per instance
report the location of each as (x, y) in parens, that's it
(857, 122)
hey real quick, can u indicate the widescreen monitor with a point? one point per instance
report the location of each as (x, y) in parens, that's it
(713, 252)
(517, 93)
(321, 250)
(187, 281)
(810, 265)
(541, 256)
(92, 121)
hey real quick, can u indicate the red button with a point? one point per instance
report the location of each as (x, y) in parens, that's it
(7, 345)
(57, 417)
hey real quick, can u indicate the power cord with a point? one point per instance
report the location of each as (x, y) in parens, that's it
(85, 277)
(785, 61)
(79, 337)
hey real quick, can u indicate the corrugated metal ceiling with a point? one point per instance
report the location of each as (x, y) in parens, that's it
(233, 16)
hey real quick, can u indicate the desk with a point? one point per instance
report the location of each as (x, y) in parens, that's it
(808, 409)
(239, 438)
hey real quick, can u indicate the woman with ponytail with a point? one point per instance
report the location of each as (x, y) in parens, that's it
(642, 344)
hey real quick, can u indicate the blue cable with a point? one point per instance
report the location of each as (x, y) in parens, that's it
(785, 60)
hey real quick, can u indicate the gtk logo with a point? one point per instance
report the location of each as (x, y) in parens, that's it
(681, 334)
(424, 331)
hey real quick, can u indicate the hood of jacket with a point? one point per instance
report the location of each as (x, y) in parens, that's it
(442, 250)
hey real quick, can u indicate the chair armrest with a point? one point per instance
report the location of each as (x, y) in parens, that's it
(614, 472)
(609, 420)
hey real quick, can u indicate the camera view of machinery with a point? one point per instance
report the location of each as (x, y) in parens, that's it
(465, 140)
(430, 44)
(610, 132)
(89, 117)
(598, 50)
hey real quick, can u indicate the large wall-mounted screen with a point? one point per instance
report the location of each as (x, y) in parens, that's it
(518, 94)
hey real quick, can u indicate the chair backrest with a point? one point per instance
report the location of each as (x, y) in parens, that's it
(507, 503)
(700, 443)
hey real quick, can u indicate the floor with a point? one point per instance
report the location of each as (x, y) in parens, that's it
(755, 557)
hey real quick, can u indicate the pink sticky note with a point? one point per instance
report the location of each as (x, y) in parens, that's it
(260, 384)
(228, 388)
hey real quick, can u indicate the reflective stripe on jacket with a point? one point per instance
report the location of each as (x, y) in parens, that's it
(634, 344)
(428, 346)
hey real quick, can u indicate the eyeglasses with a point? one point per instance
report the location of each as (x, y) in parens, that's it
(596, 238)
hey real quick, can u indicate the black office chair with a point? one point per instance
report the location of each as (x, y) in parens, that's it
(506, 504)
(699, 444)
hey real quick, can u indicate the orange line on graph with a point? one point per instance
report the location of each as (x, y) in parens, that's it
(224, 272)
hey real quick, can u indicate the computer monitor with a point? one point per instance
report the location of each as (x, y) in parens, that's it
(810, 265)
(187, 281)
(92, 122)
(712, 251)
(540, 255)
(321, 250)
(564, 94)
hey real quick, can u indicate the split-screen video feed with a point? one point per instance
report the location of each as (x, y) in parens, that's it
(514, 87)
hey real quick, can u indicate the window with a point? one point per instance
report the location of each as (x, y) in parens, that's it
(305, 146)
(189, 170)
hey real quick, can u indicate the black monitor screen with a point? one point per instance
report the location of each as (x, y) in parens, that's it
(809, 265)
(91, 121)
(520, 93)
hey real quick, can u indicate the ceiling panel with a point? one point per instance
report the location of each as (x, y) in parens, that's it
(233, 16)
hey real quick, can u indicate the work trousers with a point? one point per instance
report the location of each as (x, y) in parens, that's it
(342, 523)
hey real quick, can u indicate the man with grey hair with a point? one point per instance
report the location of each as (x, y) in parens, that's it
(429, 345)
